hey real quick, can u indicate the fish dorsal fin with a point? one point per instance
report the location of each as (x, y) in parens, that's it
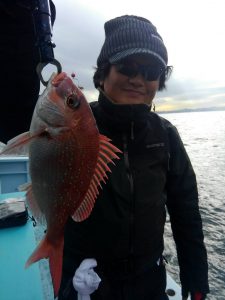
(107, 152)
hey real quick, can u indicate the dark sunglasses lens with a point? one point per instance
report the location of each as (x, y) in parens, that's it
(150, 73)
(127, 70)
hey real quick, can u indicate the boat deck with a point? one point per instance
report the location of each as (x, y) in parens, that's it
(16, 245)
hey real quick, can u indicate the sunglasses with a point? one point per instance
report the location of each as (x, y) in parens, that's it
(131, 69)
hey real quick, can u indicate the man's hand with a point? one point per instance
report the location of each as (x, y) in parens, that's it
(195, 296)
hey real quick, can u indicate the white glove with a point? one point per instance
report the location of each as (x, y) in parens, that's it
(85, 280)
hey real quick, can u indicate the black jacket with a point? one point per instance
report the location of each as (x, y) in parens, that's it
(127, 222)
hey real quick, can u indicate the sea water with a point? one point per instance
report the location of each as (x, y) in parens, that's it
(203, 134)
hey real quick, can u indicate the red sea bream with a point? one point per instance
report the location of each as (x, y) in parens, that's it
(68, 160)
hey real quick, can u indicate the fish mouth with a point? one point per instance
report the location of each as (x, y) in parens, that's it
(58, 79)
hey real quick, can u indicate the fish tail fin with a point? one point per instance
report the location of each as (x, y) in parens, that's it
(55, 254)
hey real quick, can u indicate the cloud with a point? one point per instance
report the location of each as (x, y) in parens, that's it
(191, 93)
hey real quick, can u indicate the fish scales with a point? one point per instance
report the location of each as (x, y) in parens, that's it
(71, 173)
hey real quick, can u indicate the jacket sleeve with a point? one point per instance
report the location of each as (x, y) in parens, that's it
(186, 223)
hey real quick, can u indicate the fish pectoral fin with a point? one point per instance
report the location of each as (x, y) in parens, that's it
(19, 145)
(107, 152)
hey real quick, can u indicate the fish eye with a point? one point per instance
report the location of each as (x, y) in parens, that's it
(72, 101)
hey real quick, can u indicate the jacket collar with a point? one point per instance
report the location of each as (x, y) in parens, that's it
(122, 116)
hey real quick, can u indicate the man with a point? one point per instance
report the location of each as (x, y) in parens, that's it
(125, 230)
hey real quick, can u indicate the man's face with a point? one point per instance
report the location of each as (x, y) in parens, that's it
(122, 89)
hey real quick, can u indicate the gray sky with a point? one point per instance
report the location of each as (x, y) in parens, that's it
(193, 32)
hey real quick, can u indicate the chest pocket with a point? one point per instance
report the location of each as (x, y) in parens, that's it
(150, 156)
(149, 170)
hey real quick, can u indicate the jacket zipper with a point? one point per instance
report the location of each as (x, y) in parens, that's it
(132, 131)
(131, 181)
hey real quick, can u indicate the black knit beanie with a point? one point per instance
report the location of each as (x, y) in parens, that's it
(128, 35)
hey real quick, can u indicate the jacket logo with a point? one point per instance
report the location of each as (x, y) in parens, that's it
(155, 145)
